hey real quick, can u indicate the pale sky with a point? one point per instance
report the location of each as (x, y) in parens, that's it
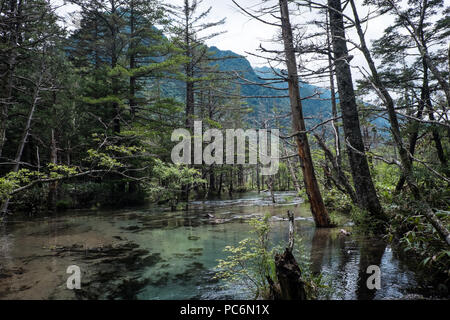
(245, 34)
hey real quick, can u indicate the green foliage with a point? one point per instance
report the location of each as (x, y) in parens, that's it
(13, 180)
(168, 181)
(64, 204)
(436, 191)
(385, 179)
(316, 286)
(57, 171)
(31, 201)
(251, 263)
(410, 230)
(337, 219)
(337, 201)
(302, 194)
(366, 223)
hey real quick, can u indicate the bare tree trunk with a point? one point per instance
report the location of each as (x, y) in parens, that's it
(384, 94)
(189, 70)
(318, 209)
(292, 171)
(438, 144)
(114, 81)
(395, 128)
(133, 186)
(13, 40)
(241, 181)
(51, 197)
(270, 186)
(212, 180)
(219, 192)
(189, 73)
(341, 177)
(258, 182)
(230, 183)
(426, 89)
(26, 132)
(365, 190)
(413, 137)
(290, 285)
(132, 100)
(337, 138)
(27, 129)
(68, 153)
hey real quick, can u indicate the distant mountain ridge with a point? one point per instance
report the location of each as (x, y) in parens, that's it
(318, 107)
(315, 109)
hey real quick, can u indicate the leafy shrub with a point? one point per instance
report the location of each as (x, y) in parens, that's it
(335, 200)
(251, 263)
(30, 201)
(366, 223)
(410, 230)
(168, 181)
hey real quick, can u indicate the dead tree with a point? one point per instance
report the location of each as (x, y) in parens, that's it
(362, 180)
(339, 179)
(386, 97)
(290, 285)
(38, 86)
(291, 170)
(53, 186)
(318, 208)
(270, 187)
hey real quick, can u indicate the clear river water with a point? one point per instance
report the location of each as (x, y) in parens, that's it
(152, 253)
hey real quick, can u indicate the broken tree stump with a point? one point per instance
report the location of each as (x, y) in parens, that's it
(290, 285)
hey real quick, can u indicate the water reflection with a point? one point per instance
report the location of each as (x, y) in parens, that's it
(172, 255)
(370, 254)
(320, 249)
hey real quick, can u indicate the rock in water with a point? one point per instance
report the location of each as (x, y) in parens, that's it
(344, 232)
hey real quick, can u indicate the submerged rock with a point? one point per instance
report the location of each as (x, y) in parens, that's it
(112, 271)
(196, 251)
(191, 272)
(9, 273)
(152, 259)
(161, 281)
(131, 228)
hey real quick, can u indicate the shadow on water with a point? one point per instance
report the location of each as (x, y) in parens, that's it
(152, 253)
(320, 249)
(344, 261)
(370, 254)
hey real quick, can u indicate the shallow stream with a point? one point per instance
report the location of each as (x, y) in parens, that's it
(152, 253)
